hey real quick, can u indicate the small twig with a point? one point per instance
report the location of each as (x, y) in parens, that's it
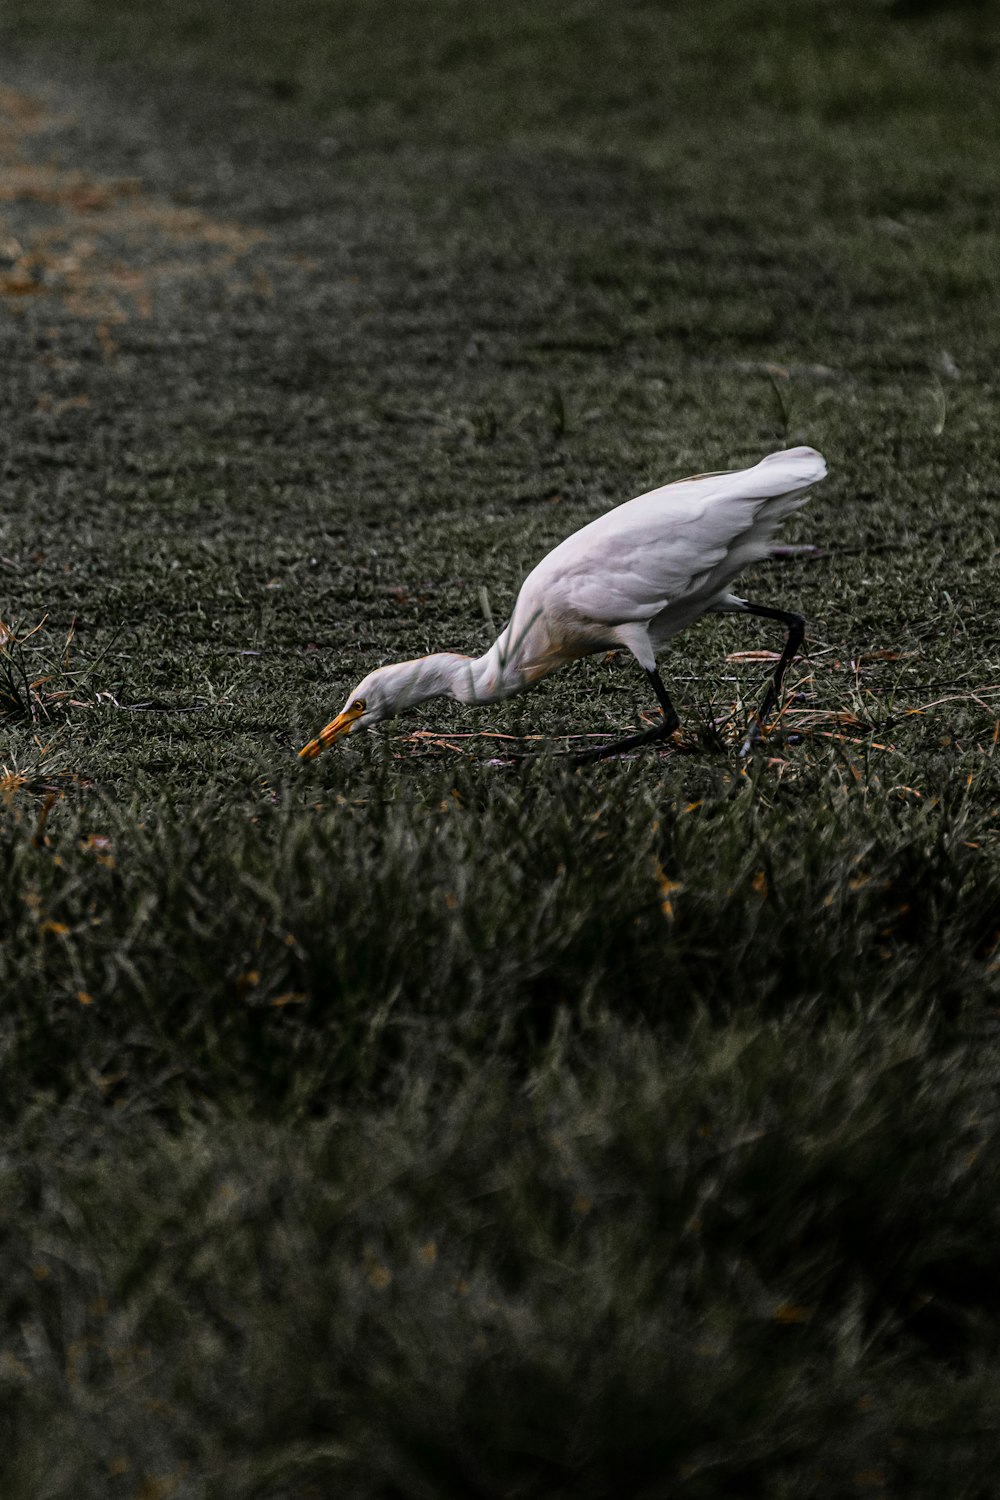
(753, 656)
(495, 734)
(850, 739)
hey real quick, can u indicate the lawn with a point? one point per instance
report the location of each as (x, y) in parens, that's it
(423, 1122)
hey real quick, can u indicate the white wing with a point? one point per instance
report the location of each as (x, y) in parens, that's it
(673, 542)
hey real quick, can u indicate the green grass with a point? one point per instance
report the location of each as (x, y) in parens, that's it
(413, 1123)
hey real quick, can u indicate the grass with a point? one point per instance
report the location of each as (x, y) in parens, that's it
(413, 1123)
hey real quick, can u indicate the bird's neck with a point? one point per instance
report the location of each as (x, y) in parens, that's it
(470, 679)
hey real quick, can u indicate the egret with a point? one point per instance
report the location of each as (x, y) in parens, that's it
(632, 578)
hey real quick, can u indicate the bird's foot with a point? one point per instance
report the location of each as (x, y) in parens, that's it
(662, 734)
(754, 736)
(758, 732)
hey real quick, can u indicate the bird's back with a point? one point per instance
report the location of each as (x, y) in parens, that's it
(675, 548)
(666, 543)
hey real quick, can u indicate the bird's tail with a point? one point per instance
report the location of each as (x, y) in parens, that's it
(792, 469)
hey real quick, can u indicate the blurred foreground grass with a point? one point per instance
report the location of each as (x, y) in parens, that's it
(415, 1124)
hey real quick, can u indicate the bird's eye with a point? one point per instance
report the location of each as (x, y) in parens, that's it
(359, 704)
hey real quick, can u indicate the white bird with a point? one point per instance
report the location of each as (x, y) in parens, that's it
(632, 578)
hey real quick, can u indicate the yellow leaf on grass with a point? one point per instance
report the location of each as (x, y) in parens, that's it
(243, 983)
(791, 1312)
(668, 889)
(290, 997)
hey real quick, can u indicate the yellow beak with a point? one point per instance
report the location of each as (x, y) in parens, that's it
(341, 725)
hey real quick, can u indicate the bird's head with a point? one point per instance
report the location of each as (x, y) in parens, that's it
(384, 693)
(375, 698)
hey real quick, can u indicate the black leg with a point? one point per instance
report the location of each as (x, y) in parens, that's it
(796, 631)
(649, 736)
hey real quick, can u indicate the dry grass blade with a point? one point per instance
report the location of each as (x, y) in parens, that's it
(41, 696)
(735, 656)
